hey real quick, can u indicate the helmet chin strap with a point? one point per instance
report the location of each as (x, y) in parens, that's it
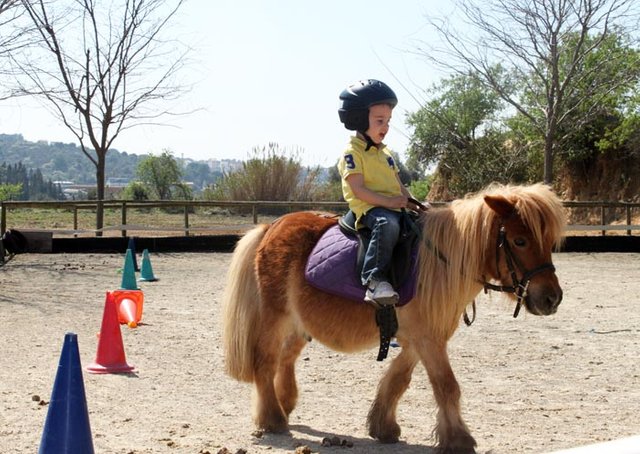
(370, 142)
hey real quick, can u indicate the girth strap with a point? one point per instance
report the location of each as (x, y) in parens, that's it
(388, 323)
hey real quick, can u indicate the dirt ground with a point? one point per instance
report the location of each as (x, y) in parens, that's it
(530, 385)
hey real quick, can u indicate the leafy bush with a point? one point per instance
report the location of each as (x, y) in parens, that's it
(135, 191)
(420, 188)
(272, 174)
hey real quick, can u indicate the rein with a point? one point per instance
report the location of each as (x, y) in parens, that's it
(518, 287)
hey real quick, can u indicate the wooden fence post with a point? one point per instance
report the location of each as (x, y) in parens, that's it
(186, 220)
(3, 218)
(124, 218)
(75, 220)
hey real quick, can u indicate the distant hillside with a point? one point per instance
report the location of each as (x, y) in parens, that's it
(63, 161)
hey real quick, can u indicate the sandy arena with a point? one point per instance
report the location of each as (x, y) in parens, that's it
(530, 385)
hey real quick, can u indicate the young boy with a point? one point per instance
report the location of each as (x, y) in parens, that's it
(370, 181)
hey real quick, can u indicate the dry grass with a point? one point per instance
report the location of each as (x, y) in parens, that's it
(204, 221)
(147, 222)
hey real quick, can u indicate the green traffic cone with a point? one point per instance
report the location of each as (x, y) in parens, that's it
(132, 245)
(146, 272)
(129, 274)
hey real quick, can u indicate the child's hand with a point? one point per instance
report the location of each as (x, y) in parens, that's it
(399, 201)
(417, 206)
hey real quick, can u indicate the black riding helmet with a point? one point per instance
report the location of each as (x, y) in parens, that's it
(358, 98)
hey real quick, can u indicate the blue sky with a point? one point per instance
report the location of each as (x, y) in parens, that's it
(271, 71)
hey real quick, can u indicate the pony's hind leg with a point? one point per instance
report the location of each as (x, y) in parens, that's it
(451, 432)
(381, 421)
(268, 412)
(285, 381)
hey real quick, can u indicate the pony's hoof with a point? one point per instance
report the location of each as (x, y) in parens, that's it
(457, 451)
(275, 428)
(273, 425)
(463, 443)
(388, 435)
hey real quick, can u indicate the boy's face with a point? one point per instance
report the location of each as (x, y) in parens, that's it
(379, 118)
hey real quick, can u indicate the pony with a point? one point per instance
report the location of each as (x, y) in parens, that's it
(501, 238)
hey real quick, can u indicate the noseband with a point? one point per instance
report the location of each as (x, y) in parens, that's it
(518, 287)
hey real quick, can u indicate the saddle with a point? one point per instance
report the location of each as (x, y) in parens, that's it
(335, 263)
(404, 254)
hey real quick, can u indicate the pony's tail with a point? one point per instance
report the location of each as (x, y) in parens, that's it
(241, 307)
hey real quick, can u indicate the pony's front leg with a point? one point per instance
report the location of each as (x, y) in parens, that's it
(451, 431)
(382, 415)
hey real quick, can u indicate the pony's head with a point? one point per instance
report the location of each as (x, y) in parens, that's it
(527, 223)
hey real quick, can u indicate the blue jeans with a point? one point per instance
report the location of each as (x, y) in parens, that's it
(385, 231)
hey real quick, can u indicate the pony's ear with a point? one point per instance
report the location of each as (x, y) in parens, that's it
(500, 205)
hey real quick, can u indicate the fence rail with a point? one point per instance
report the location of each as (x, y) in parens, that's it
(605, 209)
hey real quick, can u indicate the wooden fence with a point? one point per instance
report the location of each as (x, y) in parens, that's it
(613, 216)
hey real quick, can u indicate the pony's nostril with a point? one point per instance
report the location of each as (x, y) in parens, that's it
(554, 300)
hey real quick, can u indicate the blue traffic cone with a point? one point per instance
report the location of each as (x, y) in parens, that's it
(67, 429)
(146, 272)
(132, 245)
(128, 273)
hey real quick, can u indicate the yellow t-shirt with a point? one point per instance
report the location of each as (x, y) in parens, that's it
(378, 169)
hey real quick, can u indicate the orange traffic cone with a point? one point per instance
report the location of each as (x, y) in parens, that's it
(110, 358)
(129, 304)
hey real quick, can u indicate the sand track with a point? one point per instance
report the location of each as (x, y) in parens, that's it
(530, 385)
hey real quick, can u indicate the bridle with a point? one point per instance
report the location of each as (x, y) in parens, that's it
(519, 287)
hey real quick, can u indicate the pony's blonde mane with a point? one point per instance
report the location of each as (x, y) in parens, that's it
(460, 234)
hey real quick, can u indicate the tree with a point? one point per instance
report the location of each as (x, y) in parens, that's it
(589, 125)
(135, 190)
(21, 183)
(459, 130)
(516, 49)
(11, 37)
(163, 176)
(200, 174)
(101, 69)
(10, 191)
(459, 111)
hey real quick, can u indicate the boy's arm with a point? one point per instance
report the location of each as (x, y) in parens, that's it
(356, 182)
(404, 190)
(419, 207)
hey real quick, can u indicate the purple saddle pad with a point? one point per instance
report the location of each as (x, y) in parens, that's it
(331, 267)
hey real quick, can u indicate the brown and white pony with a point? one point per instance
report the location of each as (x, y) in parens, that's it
(501, 238)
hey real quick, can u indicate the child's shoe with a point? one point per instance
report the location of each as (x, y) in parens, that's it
(381, 292)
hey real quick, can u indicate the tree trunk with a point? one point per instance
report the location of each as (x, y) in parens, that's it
(548, 159)
(549, 142)
(100, 176)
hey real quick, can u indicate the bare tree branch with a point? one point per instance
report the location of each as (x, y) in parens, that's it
(525, 39)
(101, 67)
(14, 35)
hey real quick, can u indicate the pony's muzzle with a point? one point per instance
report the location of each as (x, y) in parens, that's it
(545, 302)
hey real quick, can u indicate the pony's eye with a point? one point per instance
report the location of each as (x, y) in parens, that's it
(520, 242)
